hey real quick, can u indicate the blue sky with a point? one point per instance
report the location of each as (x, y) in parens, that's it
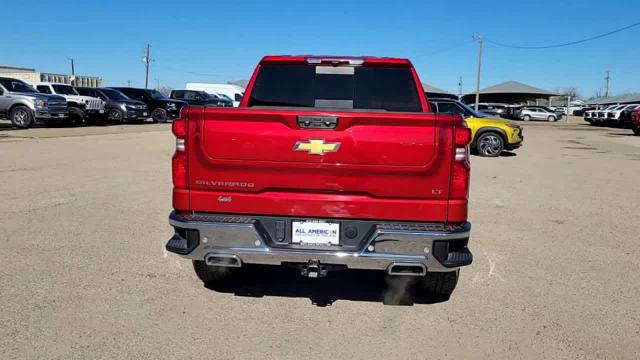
(223, 40)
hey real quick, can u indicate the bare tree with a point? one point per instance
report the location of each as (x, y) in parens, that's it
(166, 90)
(571, 91)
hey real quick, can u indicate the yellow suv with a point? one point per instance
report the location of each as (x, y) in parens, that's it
(490, 136)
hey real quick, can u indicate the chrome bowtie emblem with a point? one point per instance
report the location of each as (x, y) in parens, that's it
(316, 147)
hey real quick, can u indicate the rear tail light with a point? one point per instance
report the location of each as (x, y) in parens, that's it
(179, 126)
(463, 136)
(179, 161)
(461, 169)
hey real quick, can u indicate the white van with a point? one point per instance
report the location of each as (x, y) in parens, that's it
(234, 92)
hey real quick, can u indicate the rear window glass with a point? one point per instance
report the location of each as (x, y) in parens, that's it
(65, 90)
(85, 92)
(369, 88)
(450, 108)
(43, 89)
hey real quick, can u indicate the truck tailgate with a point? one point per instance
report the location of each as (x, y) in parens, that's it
(258, 160)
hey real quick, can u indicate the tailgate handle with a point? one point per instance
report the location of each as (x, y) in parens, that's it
(317, 122)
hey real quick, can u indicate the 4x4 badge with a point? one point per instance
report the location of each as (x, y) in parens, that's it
(316, 147)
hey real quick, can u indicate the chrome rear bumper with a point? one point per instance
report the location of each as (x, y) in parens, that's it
(436, 246)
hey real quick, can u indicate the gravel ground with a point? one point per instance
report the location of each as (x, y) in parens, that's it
(84, 274)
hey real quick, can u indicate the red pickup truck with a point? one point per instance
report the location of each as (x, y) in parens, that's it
(329, 163)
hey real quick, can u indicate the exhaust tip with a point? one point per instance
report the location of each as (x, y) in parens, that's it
(407, 269)
(224, 260)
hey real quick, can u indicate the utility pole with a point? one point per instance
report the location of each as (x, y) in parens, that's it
(481, 40)
(606, 81)
(147, 60)
(568, 104)
(128, 83)
(460, 87)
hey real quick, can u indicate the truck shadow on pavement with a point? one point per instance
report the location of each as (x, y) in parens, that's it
(351, 285)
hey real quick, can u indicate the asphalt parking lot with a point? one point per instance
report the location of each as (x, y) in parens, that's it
(84, 273)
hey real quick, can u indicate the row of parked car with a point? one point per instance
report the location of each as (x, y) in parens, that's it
(522, 112)
(612, 115)
(26, 104)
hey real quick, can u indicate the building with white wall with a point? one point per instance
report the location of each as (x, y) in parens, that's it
(31, 75)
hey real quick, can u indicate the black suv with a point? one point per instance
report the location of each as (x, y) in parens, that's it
(196, 97)
(162, 108)
(118, 107)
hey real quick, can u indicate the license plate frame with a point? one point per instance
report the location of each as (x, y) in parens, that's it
(315, 233)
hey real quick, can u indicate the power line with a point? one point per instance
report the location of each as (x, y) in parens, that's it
(564, 44)
(188, 72)
(196, 73)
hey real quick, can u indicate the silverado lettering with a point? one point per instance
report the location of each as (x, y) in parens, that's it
(343, 166)
(225, 183)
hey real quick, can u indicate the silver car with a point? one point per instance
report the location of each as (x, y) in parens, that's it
(538, 113)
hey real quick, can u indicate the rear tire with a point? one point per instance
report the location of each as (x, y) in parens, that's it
(21, 117)
(440, 283)
(636, 130)
(159, 115)
(213, 274)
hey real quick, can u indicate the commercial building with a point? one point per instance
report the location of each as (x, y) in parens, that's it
(612, 100)
(510, 92)
(31, 75)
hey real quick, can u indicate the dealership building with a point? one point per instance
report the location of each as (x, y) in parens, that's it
(33, 76)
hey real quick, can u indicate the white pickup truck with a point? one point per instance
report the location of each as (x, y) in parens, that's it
(80, 107)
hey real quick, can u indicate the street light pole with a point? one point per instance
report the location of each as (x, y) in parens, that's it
(481, 40)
